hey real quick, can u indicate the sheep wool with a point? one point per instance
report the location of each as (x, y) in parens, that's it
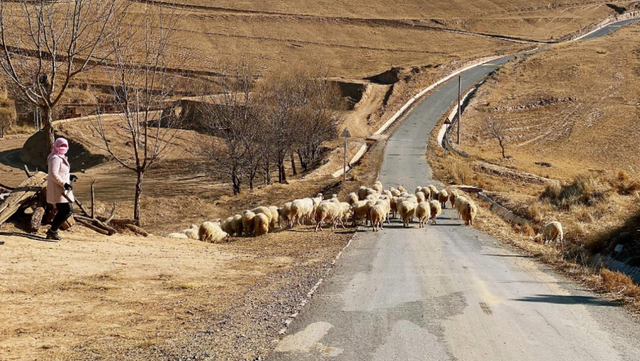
(436, 210)
(423, 212)
(260, 224)
(443, 197)
(376, 214)
(212, 233)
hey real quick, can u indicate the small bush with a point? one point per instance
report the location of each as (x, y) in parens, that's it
(619, 283)
(525, 229)
(623, 184)
(587, 189)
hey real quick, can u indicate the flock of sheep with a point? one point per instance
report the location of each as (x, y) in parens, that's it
(375, 205)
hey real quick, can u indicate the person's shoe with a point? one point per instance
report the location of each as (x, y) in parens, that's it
(53, 235)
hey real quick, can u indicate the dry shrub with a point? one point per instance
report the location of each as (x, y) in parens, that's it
(537, 211)
(525, 229)
(457, 171)
(574, 230)
(619, 284)
(623, 184)
(583, 213)
(587, 189)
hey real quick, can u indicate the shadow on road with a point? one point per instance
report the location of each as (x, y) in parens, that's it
(566, 300)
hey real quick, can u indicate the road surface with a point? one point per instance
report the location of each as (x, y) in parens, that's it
(449, 292)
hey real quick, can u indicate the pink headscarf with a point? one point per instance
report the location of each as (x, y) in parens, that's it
(60, 148)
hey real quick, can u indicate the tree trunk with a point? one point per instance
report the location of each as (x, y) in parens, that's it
(267, 172)
(138, 195)
(502, 148)
(293, 165)
(47, 126)
(282, 175)
(303, 163)
(236, 184)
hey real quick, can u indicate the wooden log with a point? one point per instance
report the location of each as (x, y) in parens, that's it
(97, 223)
(93, 199)
(36, 218)
(21, 194)
(88, 224)
(111, 215)
(137, 230)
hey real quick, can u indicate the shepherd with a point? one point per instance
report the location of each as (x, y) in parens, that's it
(59, 188)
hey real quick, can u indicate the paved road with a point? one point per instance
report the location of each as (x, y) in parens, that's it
(449, 292)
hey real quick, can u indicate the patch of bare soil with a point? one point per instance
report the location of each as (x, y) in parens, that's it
(90, 296)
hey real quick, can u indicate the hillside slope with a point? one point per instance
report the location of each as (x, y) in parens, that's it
(574, 106)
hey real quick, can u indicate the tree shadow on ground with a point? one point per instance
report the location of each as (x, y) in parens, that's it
(28, 236)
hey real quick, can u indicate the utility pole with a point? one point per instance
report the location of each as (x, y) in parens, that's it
(346, 136)
(459, 105)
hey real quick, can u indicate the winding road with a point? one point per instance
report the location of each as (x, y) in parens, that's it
(450, 292)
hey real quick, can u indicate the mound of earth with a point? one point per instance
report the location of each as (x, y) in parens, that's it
(36, 149)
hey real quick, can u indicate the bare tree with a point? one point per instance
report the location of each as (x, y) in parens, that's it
(45, 44)
(317, 118)
(497, 129)
(142, 90)
(234, 122)
(279, 96)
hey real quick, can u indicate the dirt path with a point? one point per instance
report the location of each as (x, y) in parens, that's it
(91, 297)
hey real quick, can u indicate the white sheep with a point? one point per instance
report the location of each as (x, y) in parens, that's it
(328, 212)
(192, 233)
(360, 210)
(247, 223)
(407, 210)
(420, 197)
(436, 210)
(178, 235)
(362, 193)
(302, 209)
(423, 212)
(377, 216)
(443, 197)
(401, 189)
(434, 192)
(468, 211)
(377, 186)
(275, 217)
(212, 233)
(453, 194)
(261, 224)
(352, 198)
(458, 204)
(226, 225)
(285, 213)
(394, 192)
(386, 204)
(552, 232)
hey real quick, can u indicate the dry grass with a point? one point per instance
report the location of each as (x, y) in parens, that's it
(586, 189)
(619, 284)
(458, 171)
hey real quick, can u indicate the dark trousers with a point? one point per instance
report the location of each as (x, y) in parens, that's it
(65, 210)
